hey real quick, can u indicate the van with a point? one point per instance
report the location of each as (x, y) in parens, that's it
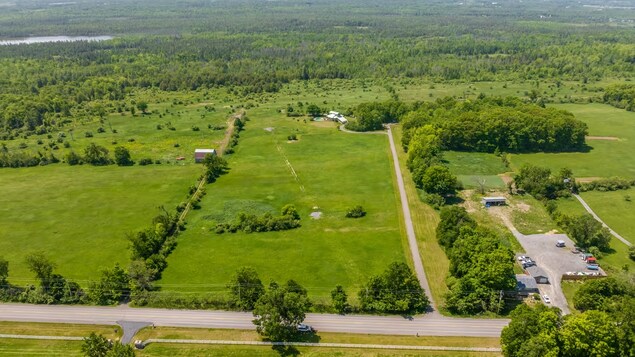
(560, 244)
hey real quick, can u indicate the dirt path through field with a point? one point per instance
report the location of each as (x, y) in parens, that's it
(221, 150)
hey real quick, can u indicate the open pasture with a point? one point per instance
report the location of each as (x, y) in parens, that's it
(79, 215)
(324, 170)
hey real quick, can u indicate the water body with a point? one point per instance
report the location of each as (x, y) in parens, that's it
(45, 39)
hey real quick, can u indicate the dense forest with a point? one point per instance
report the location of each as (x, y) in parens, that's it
(492, 124)
(194, 44)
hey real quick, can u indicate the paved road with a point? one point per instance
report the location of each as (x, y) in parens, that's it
(427, 325)
(614, 233)
(410, 231)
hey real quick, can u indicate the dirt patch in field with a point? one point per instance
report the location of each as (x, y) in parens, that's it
(611, 138)
(269, 129)
(523, 207)
(316, 215)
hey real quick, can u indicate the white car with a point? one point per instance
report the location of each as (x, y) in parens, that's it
(546, 299)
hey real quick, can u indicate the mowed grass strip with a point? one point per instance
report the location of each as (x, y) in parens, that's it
(607, 157)
(161, 349)
(425, 221)
(334, 171)
(324, 337)
(51, 329)
(80, 215)
(15, 347)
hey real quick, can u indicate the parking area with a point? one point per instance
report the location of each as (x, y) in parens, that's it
(554, 261)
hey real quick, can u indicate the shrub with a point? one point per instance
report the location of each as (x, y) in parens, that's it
(631, 252)
(72, 158)
(356, 212)
(195, 128)
(435, 200)
(145, 161)
(88, 134)
(101, 130)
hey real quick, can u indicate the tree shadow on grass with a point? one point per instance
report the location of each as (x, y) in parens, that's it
(286, 350)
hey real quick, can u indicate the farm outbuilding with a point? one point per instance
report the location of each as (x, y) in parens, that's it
(199, 154)
(335, 116)
(525, 285)
(494, 201)
(538, 274)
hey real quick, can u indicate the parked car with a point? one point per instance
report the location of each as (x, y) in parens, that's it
(593, 267)
(546, 299)
(521, 258)
(305, 328)
(560, 244)
(530, 263)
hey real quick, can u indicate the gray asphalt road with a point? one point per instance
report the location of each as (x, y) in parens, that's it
(428, 325)
(410, 231)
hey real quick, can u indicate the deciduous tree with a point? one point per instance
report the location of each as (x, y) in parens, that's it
(245, 288)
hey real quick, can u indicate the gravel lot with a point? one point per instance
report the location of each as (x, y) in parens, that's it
(555, 261)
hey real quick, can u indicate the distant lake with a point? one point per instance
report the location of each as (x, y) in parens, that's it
(43, 39)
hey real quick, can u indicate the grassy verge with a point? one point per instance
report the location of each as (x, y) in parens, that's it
(324, 337)
(11, 347)
(425, 221)
(569, 288)
(49, 329)
(203, 350)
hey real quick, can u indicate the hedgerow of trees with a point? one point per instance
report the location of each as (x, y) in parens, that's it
(481, 267)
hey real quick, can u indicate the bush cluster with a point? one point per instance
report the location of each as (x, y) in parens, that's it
(607, 184)
(289, 219)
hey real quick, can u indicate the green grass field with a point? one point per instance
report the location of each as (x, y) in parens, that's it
(335, 171)
(617, 213)
(607, 157)
(615, 210)
(79, 216)
(11, 347)
(472, 168)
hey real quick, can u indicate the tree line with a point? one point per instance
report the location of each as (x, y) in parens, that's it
(605, 325)
(497, 124)
(481, 266)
